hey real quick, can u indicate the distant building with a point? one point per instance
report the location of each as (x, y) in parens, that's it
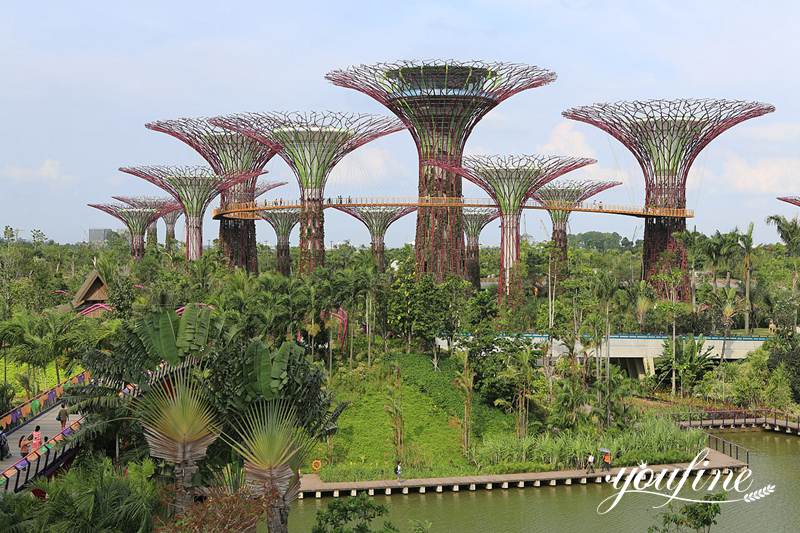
(99, 235)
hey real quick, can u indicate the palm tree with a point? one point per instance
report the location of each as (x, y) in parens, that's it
(639, 297)
(465, 382)
(789, 232)
(273, 447)
(746, 245)
(605, 290)
(179, 426)
(713, 252)
(694, 241)
(727, 304)
(729, 249)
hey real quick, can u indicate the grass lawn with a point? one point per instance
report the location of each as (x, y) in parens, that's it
(46, 380)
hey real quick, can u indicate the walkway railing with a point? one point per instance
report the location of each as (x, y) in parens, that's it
(738, 417)
(731, 449)
(42, 460)
(22, 414)
(249, 210)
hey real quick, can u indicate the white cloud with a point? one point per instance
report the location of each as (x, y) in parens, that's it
(49, 172)
(566, 140)
(366, 166)
(786, 131)
(776, 175)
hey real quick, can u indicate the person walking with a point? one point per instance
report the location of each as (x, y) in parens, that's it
(5, 451)
(36, 439)
(63, 416)
(25, 445)
(590, 464)
(398, 470)
(606, 466)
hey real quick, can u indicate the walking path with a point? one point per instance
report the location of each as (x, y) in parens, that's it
(312, 486)
(49, 425)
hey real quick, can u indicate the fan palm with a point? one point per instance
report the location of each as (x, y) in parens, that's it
(273, 446)
(179, 425)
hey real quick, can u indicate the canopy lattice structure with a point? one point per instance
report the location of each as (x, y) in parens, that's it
(440, 102)
(666, 136)
(166, 206)
(377, 219)
(510, 180)
(559, 198)
(283, 222)
(194, 188)
(475, 219)
(311, 144)
(136, 219)
(226, 152)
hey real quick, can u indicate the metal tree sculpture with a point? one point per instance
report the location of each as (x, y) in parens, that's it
(794, 200)
(136, 219)
(377, 219)
(283, 222)
(440, 102)
(169, 220)
(475, 219)
(666, 136)
(166, 206)
(226, 152)
(194, 188)
(559, 198)
(311, 144)
(510, 181)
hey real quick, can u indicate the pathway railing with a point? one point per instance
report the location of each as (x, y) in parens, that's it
(29, 410)
(731, 449)
(738, 417)
(44, 459)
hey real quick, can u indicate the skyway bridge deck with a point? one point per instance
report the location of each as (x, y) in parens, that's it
(251, 210)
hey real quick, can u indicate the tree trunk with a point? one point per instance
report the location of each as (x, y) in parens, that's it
(674, 354)
(658, 238)
(169, 237)
(439, 241)
(378, 254)
(283, 256)
(194, 237)
(749, 307)
(152, 235)
(137, 246)
(237, 239)
(509, 255)
(312, 231)
(472, 266)
(183, 480)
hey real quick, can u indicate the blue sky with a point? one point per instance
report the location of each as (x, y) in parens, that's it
(80, 79)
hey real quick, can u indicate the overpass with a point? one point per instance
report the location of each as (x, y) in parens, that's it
(637, 353)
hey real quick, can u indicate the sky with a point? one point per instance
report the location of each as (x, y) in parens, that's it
(80, 79)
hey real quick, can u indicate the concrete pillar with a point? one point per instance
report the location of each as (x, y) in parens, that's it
(472, 486)
(552, 482)
(521, 484)
(504, 485)
(438, 488)
(300, 496)
(583, 481)
(422, 490)
(537, 483)
(488, 486)
(371, 492)
(336, 494)
(405, 490)
(387, 491)
(353, 492)
(567, 482)
(455, 488)
(318, 494)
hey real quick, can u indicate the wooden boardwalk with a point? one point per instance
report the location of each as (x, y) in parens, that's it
(311, 486)
(786, 425)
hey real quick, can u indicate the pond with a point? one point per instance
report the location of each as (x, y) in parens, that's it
(774, 460)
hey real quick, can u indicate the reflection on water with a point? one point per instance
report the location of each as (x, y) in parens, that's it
(774, 458)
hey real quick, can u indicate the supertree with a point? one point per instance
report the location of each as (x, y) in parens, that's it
(559, 198)
(194, 188)
(377, 219)
(167, 207)
(475, 219)
(311, 144)
(283, 222)
(226, 152)
(666, 136)
(510, 180)
(794, 200)
(440, 102)
(136, 219)
(169, 220)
